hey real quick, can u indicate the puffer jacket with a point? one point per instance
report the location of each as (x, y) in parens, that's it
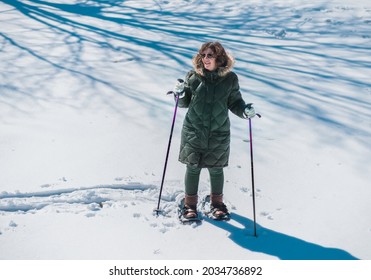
(205, 138)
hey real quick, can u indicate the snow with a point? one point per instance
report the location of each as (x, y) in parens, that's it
(85, 120)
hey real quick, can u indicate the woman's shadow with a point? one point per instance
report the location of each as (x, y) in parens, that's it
(277, 244)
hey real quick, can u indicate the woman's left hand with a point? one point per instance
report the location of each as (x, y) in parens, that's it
(249, 111)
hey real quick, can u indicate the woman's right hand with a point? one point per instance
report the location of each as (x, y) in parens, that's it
(179, 88)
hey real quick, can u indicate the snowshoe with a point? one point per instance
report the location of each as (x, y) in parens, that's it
(184, 210)
(219, 213)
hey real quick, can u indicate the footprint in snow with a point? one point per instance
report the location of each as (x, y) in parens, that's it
(164, 230)
(95, 206)
(267, 215)
(12, 224)
(157, 252)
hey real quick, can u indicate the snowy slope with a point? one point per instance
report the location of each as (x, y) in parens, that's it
(85, 121)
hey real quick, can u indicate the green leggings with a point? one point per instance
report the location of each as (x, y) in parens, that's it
(192, 178)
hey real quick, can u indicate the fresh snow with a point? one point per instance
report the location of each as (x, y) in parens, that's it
(85, 121)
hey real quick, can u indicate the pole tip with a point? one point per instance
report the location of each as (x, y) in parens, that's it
(157, 212)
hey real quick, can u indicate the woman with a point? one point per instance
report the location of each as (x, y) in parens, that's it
(209, 91)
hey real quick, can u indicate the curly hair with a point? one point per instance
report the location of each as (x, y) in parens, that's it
(219, 53)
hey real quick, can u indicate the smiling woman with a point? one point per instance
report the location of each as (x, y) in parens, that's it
(211, 90)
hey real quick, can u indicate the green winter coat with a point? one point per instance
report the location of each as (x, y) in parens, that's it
(205, 138)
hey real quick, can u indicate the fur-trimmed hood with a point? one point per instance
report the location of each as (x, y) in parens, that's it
(222, 71)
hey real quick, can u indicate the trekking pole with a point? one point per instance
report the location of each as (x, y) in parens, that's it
(252, 174)
(157, 210)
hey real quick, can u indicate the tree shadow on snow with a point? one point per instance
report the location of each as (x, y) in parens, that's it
(158, 35)
(277, 244)
(263, 35)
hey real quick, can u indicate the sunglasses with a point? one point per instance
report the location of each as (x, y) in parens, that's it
(209, 55)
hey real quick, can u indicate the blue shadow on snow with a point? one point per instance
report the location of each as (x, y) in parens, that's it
(277, 244)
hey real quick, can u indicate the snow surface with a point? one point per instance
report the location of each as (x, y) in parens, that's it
(84, 125)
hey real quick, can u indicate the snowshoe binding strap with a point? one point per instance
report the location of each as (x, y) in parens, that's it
(219, 212)
(189, 213)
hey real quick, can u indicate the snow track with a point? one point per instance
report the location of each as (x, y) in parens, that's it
(93, 196)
